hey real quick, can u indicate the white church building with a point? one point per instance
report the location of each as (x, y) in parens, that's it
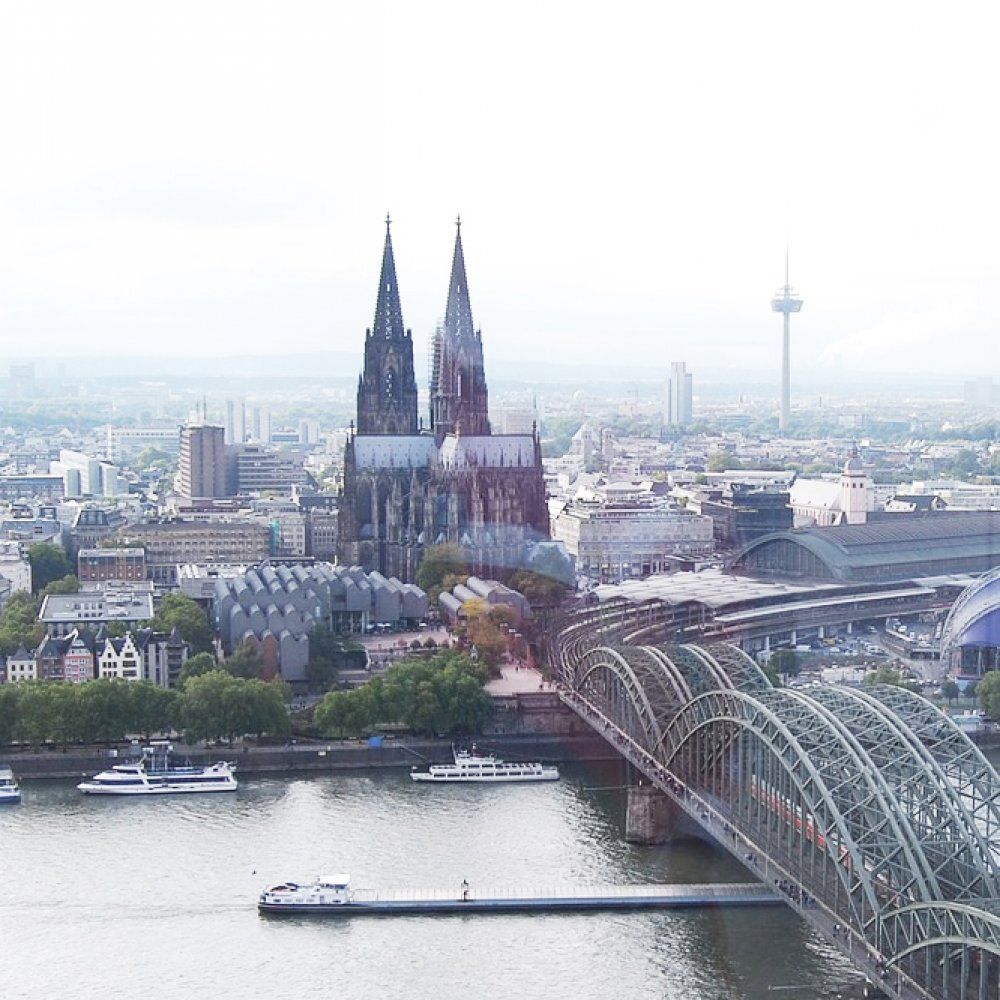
(825, 502)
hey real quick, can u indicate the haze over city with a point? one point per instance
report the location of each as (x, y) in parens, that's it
(213, 180)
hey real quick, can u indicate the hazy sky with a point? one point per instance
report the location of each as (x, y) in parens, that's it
(211, 177)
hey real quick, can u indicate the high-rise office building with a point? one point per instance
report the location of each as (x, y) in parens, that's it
(202, 468)
(680, 391)
(260, 425)
(236, 421)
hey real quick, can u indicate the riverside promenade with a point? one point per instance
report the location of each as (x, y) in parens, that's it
(313, 756)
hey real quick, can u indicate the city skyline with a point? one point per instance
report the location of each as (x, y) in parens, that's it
(210, 211)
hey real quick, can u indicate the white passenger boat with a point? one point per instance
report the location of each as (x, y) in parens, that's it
(290, 897)
(154, 774)
(9, 792)
(471, 766)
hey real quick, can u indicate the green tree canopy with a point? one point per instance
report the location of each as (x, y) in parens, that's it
(68, 584)
(48, 562)
(988, 691)
(247, 662)
(949, 690)
(889, 675)
(440, 561)
(19, 624)
(180, 612)
(195, 666)
(723, 461)
(786, 661)
(440, 695)
(217, 705)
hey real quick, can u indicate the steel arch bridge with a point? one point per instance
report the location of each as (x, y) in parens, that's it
(870, 810)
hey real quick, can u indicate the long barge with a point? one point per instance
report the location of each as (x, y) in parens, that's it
(333, 897)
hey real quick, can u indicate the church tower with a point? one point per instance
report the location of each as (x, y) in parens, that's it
(857, 497)
(459, 398)
(387, 389)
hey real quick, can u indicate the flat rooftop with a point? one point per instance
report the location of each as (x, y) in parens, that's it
(108, 606)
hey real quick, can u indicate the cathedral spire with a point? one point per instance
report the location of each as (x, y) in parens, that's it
(388, 312)
(458, 312)
(459, 398)
(387, 389)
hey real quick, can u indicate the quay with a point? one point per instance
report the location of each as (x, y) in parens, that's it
(363, 902)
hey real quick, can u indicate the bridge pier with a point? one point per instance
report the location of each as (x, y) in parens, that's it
(650, 816)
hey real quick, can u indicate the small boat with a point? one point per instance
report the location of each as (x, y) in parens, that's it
(9, 791)
(155, 774)
(471, 766)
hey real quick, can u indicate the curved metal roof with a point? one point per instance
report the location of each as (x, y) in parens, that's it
(901, 542)
(975, 617)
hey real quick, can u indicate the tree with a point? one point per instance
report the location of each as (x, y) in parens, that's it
(723, 461)
(440, 561)
(475, 607)
(35, 718)
(786, 662)
(68, 584)
(950, 691)
(195, 666)
(180, 612)
(103, 711)
(889, 675)
(247, 662)
(490, 640)
(268, 711)
(440, 695)
(771, 674)
(152, 709)
(552, 562)
(328, 654)
(217, 705)
(19, 624)
(9, 711)
(988, 691)
(48, 562)
(538, 589)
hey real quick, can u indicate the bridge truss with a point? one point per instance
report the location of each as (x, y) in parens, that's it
(875, 814)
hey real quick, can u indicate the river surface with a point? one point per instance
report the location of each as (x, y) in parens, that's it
(155, 898)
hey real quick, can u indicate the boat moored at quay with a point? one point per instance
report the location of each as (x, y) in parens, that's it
(471, 766)
(10, 793)
(154, 773)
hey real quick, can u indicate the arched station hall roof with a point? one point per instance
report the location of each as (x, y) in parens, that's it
(890, 547)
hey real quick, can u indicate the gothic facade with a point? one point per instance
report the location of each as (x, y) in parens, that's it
(407, 486)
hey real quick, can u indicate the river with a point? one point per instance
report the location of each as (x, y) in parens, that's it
(137, 899)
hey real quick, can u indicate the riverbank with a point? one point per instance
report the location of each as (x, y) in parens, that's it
(317, 756)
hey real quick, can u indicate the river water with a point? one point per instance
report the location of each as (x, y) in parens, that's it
(140, 898)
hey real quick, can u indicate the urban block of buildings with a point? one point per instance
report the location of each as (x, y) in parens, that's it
(616, 530)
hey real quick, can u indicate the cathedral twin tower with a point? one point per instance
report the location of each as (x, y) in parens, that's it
(387, 389)
(406, 488)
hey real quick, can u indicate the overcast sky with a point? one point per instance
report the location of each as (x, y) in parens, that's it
(211, 177)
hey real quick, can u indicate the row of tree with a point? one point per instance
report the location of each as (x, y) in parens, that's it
(438, 696)
(212, 706)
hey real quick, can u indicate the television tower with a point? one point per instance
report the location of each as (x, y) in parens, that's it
(786, 303)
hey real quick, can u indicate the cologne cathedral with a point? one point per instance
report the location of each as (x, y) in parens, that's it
(407, 485)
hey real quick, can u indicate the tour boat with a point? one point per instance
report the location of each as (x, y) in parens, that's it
(290, 897)
(154, 774)
(9, 792)
(475, 767)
